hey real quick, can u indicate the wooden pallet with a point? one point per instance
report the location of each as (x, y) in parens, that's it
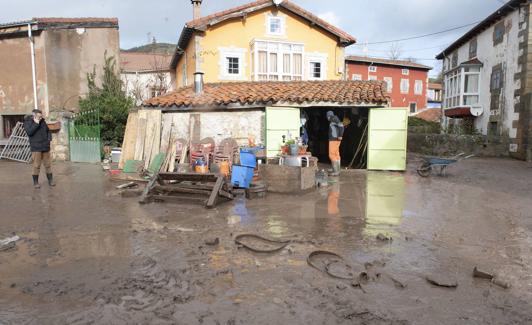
(180, 187)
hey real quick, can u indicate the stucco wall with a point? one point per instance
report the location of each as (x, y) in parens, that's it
(70, 55)
(395, 72)
(220, 125)
(138, 85)
(505, 53)
(238, 34)
(16, 84)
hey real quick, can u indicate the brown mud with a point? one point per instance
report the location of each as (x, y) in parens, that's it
(88, 256)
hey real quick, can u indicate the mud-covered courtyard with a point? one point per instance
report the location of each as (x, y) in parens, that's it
(89, 256)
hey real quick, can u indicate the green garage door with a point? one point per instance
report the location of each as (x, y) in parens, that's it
(387, 138)
(280, 121)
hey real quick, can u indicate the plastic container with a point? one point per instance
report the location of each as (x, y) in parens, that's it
(247, 158)
(224, 168)
(294, 149)
(200, 166)
(241, 176)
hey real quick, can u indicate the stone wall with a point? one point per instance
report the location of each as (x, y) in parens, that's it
(450, 145)
(60, 143)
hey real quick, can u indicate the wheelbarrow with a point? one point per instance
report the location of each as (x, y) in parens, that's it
(429, 163)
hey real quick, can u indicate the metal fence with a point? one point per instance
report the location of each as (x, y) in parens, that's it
(84, 137)
(18, 145)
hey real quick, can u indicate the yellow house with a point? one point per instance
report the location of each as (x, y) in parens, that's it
(272, 40)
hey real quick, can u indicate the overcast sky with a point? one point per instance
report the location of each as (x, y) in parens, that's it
(367, 20)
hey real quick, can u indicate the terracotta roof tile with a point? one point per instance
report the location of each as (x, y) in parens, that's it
(80, 20)
(286, 4)
(265, 93)
(400, 63)
(137, 62)
(429, 114)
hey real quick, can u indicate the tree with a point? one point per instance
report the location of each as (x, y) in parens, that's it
(395, 51)
(110, 100)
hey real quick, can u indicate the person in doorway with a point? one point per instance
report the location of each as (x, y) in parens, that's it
(40, 138)
(336, 131)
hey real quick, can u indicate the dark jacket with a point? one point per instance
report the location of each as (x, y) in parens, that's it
(336, 129)
(39, 134)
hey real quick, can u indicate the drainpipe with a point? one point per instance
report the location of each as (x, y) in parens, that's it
(33, 73)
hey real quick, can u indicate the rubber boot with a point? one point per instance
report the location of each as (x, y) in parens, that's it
(36, 181)
(50, 179)
(336, 168)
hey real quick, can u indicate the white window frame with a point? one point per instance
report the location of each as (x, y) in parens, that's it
(316, 58)
(232, 52)
(372, 77)
(389, 84)
(407, 90)
(372, 68)
(418, 87)
(269, 47)
(282, 22)
(454, 87)
(355, 76)
(405, 72)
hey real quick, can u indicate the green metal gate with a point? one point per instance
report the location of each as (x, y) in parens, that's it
(84, 137)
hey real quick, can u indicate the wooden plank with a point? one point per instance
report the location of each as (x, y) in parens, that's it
(176, 189)
(166, 132)
(177, 199)
(156, 118)
(148, 188)
(141, 134)
(189, 177)
(214, 194)
(130, 140)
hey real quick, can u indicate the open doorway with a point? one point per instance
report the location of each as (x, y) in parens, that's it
(354, 139)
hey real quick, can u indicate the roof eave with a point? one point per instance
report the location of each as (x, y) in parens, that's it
(478, 28)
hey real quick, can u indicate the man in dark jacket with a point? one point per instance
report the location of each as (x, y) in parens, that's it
(336, 131)
(40, 138)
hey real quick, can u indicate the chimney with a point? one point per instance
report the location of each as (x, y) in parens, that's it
(198, 82)
(196, 8)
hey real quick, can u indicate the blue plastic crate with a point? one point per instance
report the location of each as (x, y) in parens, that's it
(247, 158)
(241, 176)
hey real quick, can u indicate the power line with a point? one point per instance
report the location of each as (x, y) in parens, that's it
(419, 36)
(413, 50)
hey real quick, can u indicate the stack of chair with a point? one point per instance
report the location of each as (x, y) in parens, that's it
(202, 149)
(226, 151)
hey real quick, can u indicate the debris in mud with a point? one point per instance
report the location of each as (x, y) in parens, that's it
(488, 276)
(8, 243)
(127, 185)
(331, 263)
(442, 280)
(501, 283)
(212, 241)
(383, 237)
(130, 193)
(482, 274)
(258, 244)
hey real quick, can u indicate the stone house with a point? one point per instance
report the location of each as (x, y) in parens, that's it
(44, 64)
(145, 75)
(488, 78)
(263, 40)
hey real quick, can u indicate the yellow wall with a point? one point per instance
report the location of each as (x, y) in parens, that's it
(186, 61)
(239, 33)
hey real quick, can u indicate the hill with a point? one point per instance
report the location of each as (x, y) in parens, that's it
(160, 48)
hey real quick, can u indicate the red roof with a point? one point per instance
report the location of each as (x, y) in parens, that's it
(399, 63)
(435, 86)
(267, 93)
(257, 5)
(138, 62)
(241, 11)
(429, 114)
(64, 22)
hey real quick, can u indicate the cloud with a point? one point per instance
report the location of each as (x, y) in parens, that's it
(330, 17)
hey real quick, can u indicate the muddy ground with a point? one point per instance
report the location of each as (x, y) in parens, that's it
(89, 256)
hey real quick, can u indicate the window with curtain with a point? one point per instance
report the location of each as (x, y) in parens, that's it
(458, 94)
(277, 61)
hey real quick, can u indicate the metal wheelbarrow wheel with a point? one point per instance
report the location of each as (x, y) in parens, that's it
(424, 169)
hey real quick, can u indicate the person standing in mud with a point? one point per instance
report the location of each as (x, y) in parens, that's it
(336, 131)
(40, 138)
